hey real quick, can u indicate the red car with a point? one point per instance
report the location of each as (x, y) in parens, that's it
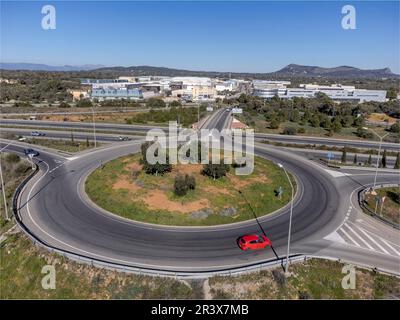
(253, 242)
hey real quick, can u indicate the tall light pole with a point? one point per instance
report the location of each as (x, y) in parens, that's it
(94, 128)
(3, 189)
(290, 219)
(2, 182)
(379, 151)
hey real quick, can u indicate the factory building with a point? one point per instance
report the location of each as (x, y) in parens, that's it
(269, 89)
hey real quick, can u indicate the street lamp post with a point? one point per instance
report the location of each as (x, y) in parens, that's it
(94, 128)
(290, 219)
(379, 151)
(3, 189)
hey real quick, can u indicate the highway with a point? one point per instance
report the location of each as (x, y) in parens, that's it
(135, 129)
(327, 221)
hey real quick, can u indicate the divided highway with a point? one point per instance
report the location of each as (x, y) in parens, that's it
(142, 129)
(54, 208)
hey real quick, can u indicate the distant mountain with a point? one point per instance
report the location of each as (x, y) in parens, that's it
(45, 67)
(290, 71)
(293, 70)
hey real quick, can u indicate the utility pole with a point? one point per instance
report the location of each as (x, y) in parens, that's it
(379, 152)
(3, 189)
(94, 128)
(290, 219)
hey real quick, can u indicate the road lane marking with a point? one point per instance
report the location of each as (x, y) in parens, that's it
(390, 246)
(378, 245)
(350, 237)
(358, 236)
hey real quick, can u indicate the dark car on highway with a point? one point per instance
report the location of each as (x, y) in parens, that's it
(32, 152)
(121, 138)
(37, 134)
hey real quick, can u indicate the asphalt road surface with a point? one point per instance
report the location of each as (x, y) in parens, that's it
(54, 207)
(132, 129)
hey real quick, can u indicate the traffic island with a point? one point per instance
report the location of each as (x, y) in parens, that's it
(123, 187)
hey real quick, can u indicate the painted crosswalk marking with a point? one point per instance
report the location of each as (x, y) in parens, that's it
(353, 234)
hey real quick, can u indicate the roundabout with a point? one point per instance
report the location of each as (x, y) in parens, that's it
(67, 221)
(53, 208)
(122, 187)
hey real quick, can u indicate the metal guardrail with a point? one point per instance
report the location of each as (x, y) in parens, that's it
(160, 272)
(363, 203)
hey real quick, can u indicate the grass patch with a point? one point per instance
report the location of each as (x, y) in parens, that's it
(15, 170)
(59, 144)
(391, 206)
(121, 187)
(313, 279)
(20, 278)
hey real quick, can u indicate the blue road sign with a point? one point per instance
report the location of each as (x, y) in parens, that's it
(330, 155)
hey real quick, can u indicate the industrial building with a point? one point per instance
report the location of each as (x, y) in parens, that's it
(270, 89)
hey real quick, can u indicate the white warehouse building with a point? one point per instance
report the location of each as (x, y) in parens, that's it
(268, 90)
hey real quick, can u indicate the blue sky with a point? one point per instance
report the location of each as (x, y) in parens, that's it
(259, 36)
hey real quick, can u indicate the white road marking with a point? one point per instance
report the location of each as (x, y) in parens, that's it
(358, 236)
(370, 238)
(336, 174)
(335, 237)
(390, 246)
(350, 237)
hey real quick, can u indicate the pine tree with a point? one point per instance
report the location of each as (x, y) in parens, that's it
(369, 161)
(383, 160)
(397, 163)
(355, 159)
(344, 155)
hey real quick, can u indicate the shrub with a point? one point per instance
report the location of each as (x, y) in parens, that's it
(180, 187)
(12, 158)
(190, 182)
(395, 128)
(215, 171)
(290, 131)
(301, 130)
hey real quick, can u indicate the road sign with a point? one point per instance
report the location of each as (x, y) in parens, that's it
(330, 156)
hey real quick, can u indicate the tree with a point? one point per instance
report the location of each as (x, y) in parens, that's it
(369, 161)
(290, 131)
(72, 138)
(183, 184)
(397, 163)
(336, 125)
(362, 133)
(156, 168)
(215, 171)
(395, 128)
(84, 103)
(391, 94)
(180, 187)
(155, 103)
(344, 155)
(87, 142)
(314, 121)
(383, 160)
(355, 159)
(190, 182)
(274, 124)
(295, 116)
